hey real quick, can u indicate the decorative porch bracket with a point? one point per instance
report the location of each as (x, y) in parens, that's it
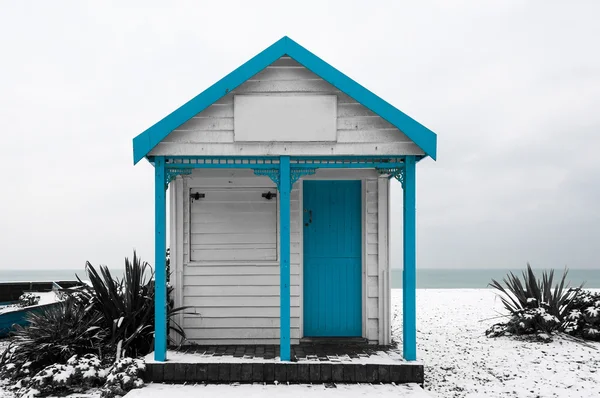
(297, 173)
(172, 173)
(395, 172)
(273, 174)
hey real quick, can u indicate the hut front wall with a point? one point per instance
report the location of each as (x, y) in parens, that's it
(235, 294)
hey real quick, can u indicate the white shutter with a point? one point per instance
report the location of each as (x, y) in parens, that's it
(234, 224)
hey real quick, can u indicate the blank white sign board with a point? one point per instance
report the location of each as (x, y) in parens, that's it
(285, 118)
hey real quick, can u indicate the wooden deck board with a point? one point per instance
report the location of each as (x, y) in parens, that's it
(260, 364)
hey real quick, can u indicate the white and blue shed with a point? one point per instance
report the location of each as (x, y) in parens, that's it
(278, 177)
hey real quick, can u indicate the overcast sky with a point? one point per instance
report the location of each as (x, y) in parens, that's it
(512, 88)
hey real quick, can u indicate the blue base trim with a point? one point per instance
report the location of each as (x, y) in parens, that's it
(409, 276)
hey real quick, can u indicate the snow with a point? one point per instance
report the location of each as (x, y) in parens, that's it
(379, 358)
(89, 374)
(64, 375)
(45, 298)
(460, 361)
(279, 391)
(4, 343)
(592, 311)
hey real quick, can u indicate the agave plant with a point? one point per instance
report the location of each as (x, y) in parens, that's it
(533, 292)
(53, 335)
(127, 306)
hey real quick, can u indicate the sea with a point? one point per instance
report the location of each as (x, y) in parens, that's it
(427, 278)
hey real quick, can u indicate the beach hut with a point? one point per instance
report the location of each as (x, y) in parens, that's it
(278, 180)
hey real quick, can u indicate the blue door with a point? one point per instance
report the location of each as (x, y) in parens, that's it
(332, 259)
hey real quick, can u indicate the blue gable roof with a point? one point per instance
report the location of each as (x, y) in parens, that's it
(419, 134)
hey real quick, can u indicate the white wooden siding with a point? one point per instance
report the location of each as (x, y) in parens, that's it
(233, 224)
(383, 249)
(372, 255)
(359, 130)
(237, 302)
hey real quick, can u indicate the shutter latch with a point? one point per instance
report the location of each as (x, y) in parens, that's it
(269, 195)
(197, 196)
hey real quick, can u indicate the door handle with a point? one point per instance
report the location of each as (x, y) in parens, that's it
(309, 218)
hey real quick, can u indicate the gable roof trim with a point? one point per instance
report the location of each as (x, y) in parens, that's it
(419, 134)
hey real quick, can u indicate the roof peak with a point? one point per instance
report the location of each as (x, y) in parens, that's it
(419, 134)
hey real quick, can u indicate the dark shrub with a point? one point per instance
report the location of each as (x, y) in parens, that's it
(584, 318)
(125, 375)
(168, 264)
(127, 306)
(54, 335)
(527, 321)
(532, 293)
(109, 317)
(79, 374)
(535, 305)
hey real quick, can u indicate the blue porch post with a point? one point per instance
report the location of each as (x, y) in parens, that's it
(409, 276)
(284, 257)
(160, 243)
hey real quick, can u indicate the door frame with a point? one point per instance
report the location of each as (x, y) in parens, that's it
(354, 175)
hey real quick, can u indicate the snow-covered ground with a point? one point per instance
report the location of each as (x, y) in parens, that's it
(279, 391)
(45, 298)
(3, 345)
(461, 362)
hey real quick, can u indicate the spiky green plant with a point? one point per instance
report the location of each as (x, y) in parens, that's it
(53, 335)
(127, 305)
(533, 292)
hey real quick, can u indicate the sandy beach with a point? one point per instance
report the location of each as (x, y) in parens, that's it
(461, 362)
